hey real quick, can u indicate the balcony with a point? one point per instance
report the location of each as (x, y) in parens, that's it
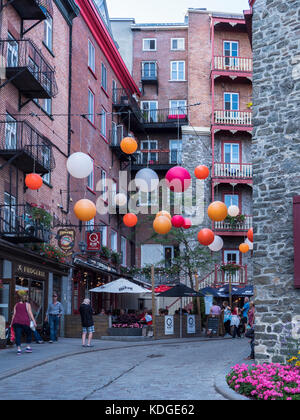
(116, 135)
(233, 118)
(127, 106)
(32, 9)
(25, 147)
(241, 171)
(234, 227)
(27, 69)
(166, 119)
(156, 159)
(17, 225)
(233, 64)
(149, 76)
(218, 277)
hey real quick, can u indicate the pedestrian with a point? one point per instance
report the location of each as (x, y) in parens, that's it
(54, 314)
(21, 321)
(235, 321)
(250, 332)
(149, 321)
(215, 309)
(227, 318)
(245, 311)
(102, 312)
(86, 313)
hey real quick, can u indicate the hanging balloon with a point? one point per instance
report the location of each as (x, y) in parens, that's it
(206, 237)
(250, 235)
(33, 181)
(120, 200)
(217, 211)
(164, 213)
(177, 221)
(233, 211)
(249, 243)
(130, 220)
(129, 145)
(80, 165)
(217, 244)
(187, 224)
(202, 172)
(85, 210)
(244, 248)
(147, 180)
(162, 225)
(178, 179)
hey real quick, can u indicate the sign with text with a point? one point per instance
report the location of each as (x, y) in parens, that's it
(93, 241)
(66, 240)
(191, 324)
(169, 325)
(28, 271)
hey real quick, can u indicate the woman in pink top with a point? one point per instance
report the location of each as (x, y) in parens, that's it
(21, 321)
(215, 309)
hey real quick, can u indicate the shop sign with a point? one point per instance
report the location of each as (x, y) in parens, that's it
(191, 324)
(27, 271)
(169, 325)
(94, 264)
(93, 241)
(66, 240)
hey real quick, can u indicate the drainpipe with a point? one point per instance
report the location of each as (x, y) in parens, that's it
(69, 111)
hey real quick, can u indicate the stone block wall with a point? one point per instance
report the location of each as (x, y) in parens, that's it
(276, 158)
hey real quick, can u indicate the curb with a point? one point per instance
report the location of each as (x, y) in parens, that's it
(222, 388)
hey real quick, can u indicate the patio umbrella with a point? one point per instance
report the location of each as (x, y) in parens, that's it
(213, 292)
(162, 288)
(181, 290)
(247, 291)
(224, 291)
(121, 286)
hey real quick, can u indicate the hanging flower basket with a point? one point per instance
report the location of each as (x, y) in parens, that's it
(230, 268)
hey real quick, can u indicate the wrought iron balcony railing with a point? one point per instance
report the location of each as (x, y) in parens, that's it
(27, 69)
(240, 64)
(31, 9)
(25, 147)
(18, 226)
(157, 158)
(230, 117)
(165, 117)
(233, 170)
(149, 75)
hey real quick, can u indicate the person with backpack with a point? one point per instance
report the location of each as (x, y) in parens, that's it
(86, 313)
(21, 321)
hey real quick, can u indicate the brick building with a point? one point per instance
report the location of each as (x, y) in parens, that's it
(35, 39)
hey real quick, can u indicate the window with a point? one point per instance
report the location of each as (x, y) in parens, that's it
(91, 107)
(177, 70)
(114, 241)
(114, 132)
(46, 154)
(149, 69)
(114, 91)
(148, 198)
(47, 106)
(90, 225)
(103, 230)
(231, 200)
(149, 157)
(124, 251)
(177, 44)
(104, 77)
(9, 216)
(168, 255)
(48, 33)
(12, 52)
(149, 110)
(149, 44)
(231, 101)
(91, 57)
(34, 68)
(103, 185)
(231, 257)
(90, 180)
(178, 107)
(10, 133)
(103, 122)
(231, 153)
(175, 151)
(113, 192)
(231, 50)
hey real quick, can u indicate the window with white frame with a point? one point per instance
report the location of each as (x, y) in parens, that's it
(46, 155)
(149, 44)
(177, 44)
(103, 122)
(175, 151)
(231, 101)
(231, 49)
(149, 69)
(91, 178)
(90, 225)
(148, 152)
(113, 192)
(177, 107)
(149, 110)
(124, 251)
(91, 107)
(91, 58)
(9, 212)
(114, 91)
(104, 77)
(10, 133)
(103, 185)
(48, 33)
(177, 71)
(113, 241)
(114, 137)
(12, 51)
(47, 106)
(103, 231)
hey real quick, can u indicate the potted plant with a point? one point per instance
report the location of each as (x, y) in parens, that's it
(234, 221)
(230, 268)
(105, 252)
(116, 258)
(41, 216)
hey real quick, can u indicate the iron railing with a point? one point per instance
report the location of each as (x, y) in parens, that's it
(45, 5)
(165, 116)
(157, 157)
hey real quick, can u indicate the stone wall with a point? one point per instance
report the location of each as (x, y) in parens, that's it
(276, 157)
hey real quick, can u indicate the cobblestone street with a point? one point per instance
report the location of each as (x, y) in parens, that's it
(156, 371)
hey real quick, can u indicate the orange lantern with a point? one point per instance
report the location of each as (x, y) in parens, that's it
(244, 248)
(164, 213)
(162, 225)
(33, 181)
(129, 145)
(206, 237)
(217, 211)
(85, 210)
(250, 235)
(130, 220)
(202, 172)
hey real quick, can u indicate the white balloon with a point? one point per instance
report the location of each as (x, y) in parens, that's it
(233, 211)
(217, 244)
(80, 165)
(249, 243)
(120, 199)
(147, 180)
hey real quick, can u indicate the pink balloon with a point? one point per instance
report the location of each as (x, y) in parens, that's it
(187, 224)
(178, 179)
(177, 221)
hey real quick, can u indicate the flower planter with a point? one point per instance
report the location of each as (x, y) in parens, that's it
(125, 332)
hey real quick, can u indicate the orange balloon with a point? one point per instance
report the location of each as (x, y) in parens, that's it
(33, 181)
(129, 145)
(164, 213)
(130, 220)
(250, 235)
(162, 225)
(244, 248)
(217, 211)
(206, 237)
(85, 210)
(202, 172)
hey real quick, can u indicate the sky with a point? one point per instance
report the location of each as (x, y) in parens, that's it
(145, 11)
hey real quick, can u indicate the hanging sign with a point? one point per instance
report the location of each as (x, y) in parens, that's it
(169, 325)
(93, 241)
(191, 324)
(66, 240)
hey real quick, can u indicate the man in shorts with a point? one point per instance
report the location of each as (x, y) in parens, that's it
(87, 322)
